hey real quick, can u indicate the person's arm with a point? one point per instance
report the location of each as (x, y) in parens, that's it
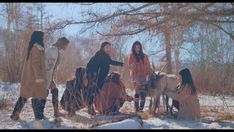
(115, 63)
(132, 66)
(131, 63)
(184, 94)
(36, 65)
(149, 70)
(51, 58)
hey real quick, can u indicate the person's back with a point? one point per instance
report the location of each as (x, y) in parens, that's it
(109, 95)
(51, 55)
(70, 100)
(187, 97)
(112, 95)
(73, 98)
(189, 106)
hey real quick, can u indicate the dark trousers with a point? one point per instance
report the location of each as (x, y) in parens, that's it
(37, 105)
(54, 93)
(55, 101)
(175, 104)
(92, 87)
(140, 96)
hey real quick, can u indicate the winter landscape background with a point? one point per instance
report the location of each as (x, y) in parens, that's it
(198, 36)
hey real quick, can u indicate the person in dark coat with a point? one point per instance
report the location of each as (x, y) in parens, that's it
(97, 69)
(73, 98)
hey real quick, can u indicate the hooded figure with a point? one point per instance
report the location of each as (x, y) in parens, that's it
(98, 68)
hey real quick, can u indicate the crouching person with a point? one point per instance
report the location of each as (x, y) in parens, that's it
(112, 95)
(73, 98)
(189, 107)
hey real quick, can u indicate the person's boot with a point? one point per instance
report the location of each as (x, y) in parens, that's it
(91, 110)
(136, 102)
(43, 108)
(55, 102)
(18, 108)
(35, 107)
(142, 102)
(56, 111)
(40, 109)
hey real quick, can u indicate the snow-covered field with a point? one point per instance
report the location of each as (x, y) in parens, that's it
(82, 120)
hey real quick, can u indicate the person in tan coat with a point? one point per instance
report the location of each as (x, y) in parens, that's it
(187, 97)
(33, 81)
(112, 95)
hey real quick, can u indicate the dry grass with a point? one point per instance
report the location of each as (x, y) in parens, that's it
(216, 114)
(5, 103)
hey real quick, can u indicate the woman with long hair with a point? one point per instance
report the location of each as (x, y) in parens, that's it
(187, 97)
(140, 68)
(33, 81)
(98, 68)
(73, 98)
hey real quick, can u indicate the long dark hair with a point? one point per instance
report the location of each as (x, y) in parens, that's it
(37, 37)
(101, 50)
(80, 72)
(140, 55)
(187, 79)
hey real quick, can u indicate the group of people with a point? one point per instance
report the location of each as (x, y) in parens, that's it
(92, 86)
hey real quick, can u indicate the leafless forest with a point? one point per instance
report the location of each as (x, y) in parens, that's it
(205, 31)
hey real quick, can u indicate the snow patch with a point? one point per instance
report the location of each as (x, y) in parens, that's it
(132, 123)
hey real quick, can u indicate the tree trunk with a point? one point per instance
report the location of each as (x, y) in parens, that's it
(178, 42)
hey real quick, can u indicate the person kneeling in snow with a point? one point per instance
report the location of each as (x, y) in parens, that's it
(189, 107)
(112, 95)
(73, 98)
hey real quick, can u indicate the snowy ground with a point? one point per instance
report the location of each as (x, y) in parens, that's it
(82, 120)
